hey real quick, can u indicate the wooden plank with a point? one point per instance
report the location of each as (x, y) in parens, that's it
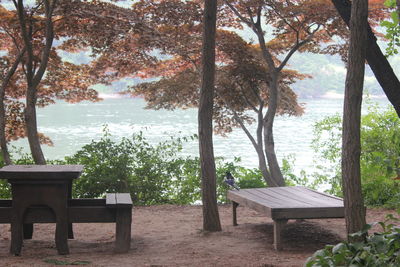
(271, 199)
(318, 196)
(282, 200)
(123, 199)
(322, 193)
(5, 215)
(91, 214)
(75, 215)
(249, 193)
(123, 229)
(111, 199)
(250, 202)
(307, 213)
(41, 172)
(5, 202)
(288, 199)
(310, 197)
(86, 202)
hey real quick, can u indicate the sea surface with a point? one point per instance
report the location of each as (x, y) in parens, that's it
(71, 126)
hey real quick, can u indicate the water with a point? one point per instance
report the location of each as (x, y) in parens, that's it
(70, 126)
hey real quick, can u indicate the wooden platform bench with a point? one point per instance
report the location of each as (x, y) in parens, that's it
(115, 208)
(284, 203)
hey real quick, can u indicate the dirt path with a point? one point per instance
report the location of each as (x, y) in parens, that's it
(171, 235)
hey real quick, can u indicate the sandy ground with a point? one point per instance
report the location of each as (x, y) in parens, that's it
(171, 235)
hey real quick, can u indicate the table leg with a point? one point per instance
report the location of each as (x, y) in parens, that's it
(17, 232)
(278, 226)
(62, 224)
(28, 230)
(234, 216)
(123, 230)
(70, 229)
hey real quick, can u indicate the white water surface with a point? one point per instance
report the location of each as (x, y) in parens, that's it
(71, 126)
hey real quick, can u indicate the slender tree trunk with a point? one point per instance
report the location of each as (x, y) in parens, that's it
(31, 127)
(257, 144)
(34, 75)
(273, 164)
(351, 146)
(376, 59)
(262, 163)
(6, 80)
(274, 169)
(211, 221)
(398, 10)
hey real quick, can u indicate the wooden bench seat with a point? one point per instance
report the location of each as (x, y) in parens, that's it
(115, 208)
(284, 203)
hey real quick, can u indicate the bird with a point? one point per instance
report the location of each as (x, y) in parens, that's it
(231, 181)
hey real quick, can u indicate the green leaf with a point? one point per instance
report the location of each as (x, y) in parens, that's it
(56, 262)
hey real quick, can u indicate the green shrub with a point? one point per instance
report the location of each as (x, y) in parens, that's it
(379, 249)
(132, 165)
(151, 173)
(380, 155)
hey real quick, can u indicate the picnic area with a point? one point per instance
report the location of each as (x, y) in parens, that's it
(171, 235)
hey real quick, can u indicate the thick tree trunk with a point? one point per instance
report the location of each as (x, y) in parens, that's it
(376, 59)
(211, 221)
(351, 145)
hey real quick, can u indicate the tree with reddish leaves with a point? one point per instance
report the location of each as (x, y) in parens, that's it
(376, 59)
(32, 66)
(249, 77)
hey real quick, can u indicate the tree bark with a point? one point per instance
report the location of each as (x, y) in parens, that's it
(269, 142)
(211, 221)
(33, 75)
(376, 59)
(351, 145)
(6, 80)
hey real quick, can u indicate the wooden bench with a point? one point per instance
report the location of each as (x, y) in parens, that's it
(115, 208)
(284, 203)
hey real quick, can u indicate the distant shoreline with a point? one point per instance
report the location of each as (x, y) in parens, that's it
(327, 95)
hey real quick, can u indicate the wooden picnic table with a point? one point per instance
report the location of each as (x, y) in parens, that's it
(284, 203)
(40, 185)
(42, 194)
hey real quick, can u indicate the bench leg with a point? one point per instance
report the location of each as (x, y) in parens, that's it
(234, 215)
(70, 231)
(278, 226)
(17, 232)
(28, 230)
(123, 230)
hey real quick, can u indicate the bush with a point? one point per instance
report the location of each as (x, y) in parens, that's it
(152, 174)
(132, 165)
(380, 155)
(379, 249)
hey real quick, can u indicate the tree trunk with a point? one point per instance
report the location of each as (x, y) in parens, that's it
(211, 221)
(33, 75)
(376, 59)
(351, 146)
(273, 164)
(6, 80)
(31, 127)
